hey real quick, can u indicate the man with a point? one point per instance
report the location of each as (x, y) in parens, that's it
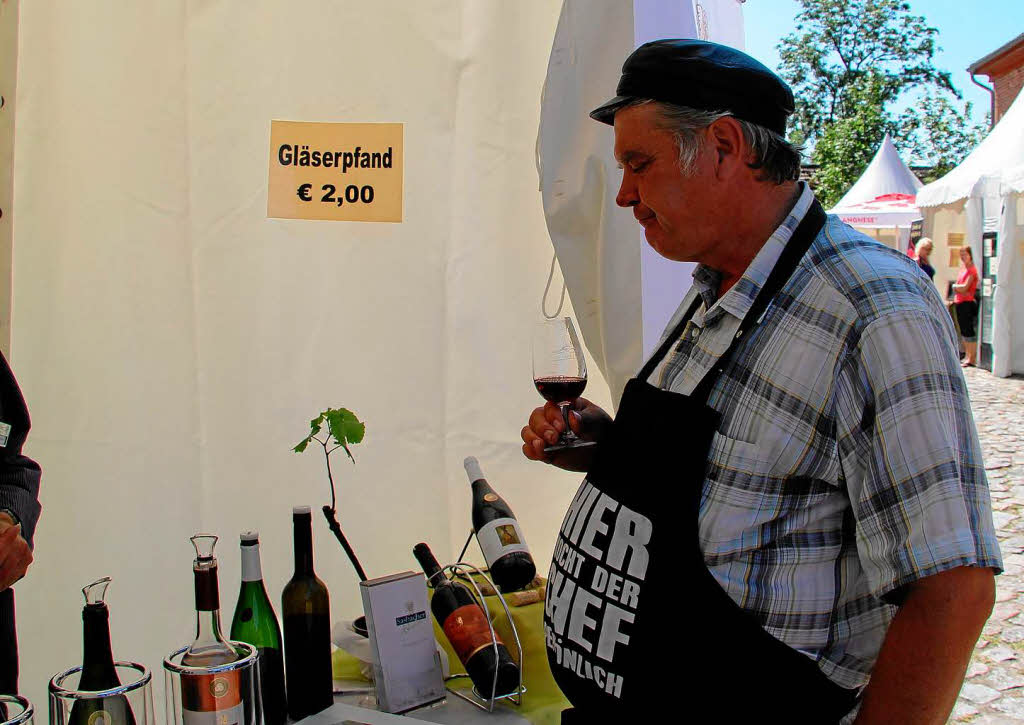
(788, 520)
(19, 511)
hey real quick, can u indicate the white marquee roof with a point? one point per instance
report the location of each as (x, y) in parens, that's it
(886, 174)
(1001, 150)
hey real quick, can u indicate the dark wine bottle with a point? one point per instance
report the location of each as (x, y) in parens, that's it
(306, 608)
(255, 622)
(213, 699)
(465, 625)
(501, 539)
(98, 672)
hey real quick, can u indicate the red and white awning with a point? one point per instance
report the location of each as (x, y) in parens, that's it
(887, 210)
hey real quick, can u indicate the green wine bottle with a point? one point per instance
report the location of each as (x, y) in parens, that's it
(306, 609)
(255, 622)
(98, 672)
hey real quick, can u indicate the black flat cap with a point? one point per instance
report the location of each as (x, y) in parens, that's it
(703, 75)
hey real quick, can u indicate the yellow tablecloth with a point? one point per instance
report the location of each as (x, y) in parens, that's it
(543, 701)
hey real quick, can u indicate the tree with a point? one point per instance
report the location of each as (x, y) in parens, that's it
(937, 131)
(848, 144)
(850, 64)
(838, 44)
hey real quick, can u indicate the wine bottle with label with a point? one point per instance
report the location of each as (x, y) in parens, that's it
(98, 672)
(500, 536)
(465, 625)
(256, 623)
(213, 699)
(306, 608)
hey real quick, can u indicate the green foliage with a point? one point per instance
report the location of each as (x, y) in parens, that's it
(342, 426)
(935, 129)
(848, 144)
(849, 63)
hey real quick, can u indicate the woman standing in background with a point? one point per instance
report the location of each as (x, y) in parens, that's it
(967, 306)
(923, 251)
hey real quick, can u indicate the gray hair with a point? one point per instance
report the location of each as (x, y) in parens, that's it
(777, 158)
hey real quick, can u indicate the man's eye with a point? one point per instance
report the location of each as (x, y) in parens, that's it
(637, 167)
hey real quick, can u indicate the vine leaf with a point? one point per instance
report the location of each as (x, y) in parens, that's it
(345, 428)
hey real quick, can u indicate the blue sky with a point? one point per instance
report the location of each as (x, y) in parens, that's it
(968, 31)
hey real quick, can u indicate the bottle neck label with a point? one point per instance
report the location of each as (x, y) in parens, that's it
(500, 537)
(251, 569)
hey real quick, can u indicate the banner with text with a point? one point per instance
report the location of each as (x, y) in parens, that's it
(335, 171)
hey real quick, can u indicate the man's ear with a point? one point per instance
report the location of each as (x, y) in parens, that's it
(730, 146)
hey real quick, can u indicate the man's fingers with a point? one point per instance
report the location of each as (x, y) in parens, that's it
(541, 425)
(533, 446)
(532, 439)
(16, 560)
(535, 451)
(553, 415)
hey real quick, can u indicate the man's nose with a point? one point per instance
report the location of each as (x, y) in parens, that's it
(627, 195)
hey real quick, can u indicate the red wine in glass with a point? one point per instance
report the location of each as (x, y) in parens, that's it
(560, 372)
(558, 388)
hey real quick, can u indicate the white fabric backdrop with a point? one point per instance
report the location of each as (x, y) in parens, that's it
(173, 342)
(624, 292)
(8, 86)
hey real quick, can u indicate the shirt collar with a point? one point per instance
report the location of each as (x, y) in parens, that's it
(741, 295)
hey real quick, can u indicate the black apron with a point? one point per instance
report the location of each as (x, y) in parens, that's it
(633, 620)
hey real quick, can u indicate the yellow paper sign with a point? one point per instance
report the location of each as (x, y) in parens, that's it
(336, 171)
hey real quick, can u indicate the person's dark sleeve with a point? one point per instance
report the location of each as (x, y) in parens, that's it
(19, 475)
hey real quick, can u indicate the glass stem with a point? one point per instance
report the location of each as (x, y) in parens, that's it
(568, 434)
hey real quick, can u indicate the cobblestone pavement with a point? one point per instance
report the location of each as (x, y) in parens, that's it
(993, 692)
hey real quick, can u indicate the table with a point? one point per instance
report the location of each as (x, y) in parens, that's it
(542, 703)
(455, 711)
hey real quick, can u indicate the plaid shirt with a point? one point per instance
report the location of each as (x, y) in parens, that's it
(847, 464)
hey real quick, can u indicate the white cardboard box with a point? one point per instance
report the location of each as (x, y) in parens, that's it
(407, 672)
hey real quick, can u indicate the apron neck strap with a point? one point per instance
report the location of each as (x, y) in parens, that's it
(794, 251)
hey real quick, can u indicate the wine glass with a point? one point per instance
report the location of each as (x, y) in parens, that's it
(560, 372)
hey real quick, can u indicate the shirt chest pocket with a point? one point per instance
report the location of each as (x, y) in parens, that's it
(775, 453)
(756, 493)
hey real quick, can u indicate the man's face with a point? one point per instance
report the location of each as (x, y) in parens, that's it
(677, 211)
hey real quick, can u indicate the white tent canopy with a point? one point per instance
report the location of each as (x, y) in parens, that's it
(1008, 342)
(886, 174)
(883, 195)
(1002, 149)
(983, 193)
(173, 342)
